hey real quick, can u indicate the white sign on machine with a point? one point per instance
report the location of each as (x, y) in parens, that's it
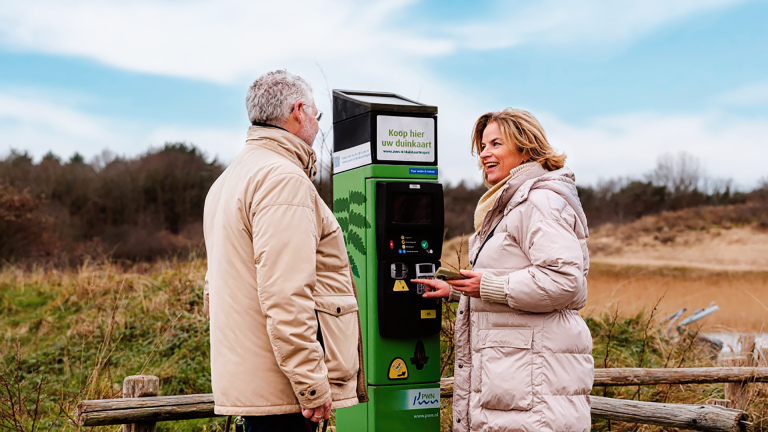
(407, 139)
(352, 158)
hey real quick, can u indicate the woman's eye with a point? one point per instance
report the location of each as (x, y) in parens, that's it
(496, 144)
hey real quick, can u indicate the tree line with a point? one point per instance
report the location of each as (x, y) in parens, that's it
(124, 208)
(675, 183)
(150, 206)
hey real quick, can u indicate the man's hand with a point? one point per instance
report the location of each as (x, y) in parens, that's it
(317, 413)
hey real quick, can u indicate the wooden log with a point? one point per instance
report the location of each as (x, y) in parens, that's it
(747, 342)
(446, 387)
(704, 375)
(694, 417)
(736, 392)
(160, 408)
(761, 361)
(153, 409)
(138, 386)
(642, 376)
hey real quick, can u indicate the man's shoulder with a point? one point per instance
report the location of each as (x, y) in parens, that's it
(261, 163)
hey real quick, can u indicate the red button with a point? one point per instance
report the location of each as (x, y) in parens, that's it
(391, 244)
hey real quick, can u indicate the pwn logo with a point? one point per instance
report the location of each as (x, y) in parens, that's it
(421, 399)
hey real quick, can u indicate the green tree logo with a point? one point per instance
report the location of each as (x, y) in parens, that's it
(350, 214)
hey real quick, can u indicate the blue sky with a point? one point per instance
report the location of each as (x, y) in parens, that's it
(616, 84)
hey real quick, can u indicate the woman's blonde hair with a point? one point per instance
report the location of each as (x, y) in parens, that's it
(521, 131)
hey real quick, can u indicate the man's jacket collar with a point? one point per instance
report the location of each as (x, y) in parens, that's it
(286, 144)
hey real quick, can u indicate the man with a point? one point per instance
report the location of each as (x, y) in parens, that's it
(285, 339)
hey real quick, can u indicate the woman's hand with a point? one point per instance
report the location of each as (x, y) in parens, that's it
(437, 288)
(470, 286)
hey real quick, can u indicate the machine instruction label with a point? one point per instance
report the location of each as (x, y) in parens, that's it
(351, 158)
(398, 369)
(407, 139)
(400, 285)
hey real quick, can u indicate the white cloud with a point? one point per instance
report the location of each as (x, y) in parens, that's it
(629, 145)
(228, 40)
(39, 126)
(573, 23)
(755, 94)
(348, 44)
(220, 41)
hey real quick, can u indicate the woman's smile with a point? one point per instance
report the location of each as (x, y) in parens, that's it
(497, 157)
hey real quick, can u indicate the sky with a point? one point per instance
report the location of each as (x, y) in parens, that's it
(616, 84)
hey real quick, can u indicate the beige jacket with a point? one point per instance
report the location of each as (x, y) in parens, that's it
(523, 353)
(278, 270)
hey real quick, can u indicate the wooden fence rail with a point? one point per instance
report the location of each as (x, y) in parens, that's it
(162, 408)
(695, 417)
(642, 376)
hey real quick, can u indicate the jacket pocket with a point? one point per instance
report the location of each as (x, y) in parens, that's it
(337, 317)
(507, 368)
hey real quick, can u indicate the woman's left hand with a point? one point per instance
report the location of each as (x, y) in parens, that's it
(470, 286)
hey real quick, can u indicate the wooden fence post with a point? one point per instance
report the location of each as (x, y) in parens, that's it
(761, 357)
(748, 342)
(735, 392)
(137, 386)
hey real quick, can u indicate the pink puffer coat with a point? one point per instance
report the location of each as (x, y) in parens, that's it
(523, 352)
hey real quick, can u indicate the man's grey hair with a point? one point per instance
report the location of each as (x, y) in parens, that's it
(272, 95)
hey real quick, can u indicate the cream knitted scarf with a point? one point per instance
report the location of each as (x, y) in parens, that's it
(489, 198)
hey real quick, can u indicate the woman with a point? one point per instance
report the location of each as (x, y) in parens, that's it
(523, 353)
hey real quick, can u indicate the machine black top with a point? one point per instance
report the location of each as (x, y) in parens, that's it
(352, 103)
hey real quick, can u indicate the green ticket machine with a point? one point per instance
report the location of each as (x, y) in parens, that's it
(390, 207)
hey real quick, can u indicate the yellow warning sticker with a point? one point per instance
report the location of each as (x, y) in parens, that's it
(432, 313)
(400, 286)
(397, 369)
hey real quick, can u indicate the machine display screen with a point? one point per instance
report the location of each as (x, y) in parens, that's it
(412, 208)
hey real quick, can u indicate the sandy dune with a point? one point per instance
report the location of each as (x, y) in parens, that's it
(737, 249)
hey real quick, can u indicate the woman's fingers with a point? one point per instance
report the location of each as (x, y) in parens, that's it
(470, 273)
(437, 287)
(469, 286)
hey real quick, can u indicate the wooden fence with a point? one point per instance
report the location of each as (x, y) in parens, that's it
(141, 408)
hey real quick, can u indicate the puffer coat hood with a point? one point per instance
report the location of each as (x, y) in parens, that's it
(523, 352)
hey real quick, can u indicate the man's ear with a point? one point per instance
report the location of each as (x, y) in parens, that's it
(298, 107)
(295, 120)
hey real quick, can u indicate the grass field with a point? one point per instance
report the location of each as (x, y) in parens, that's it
(75, 334)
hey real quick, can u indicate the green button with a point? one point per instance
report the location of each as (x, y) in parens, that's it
(424, 244)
